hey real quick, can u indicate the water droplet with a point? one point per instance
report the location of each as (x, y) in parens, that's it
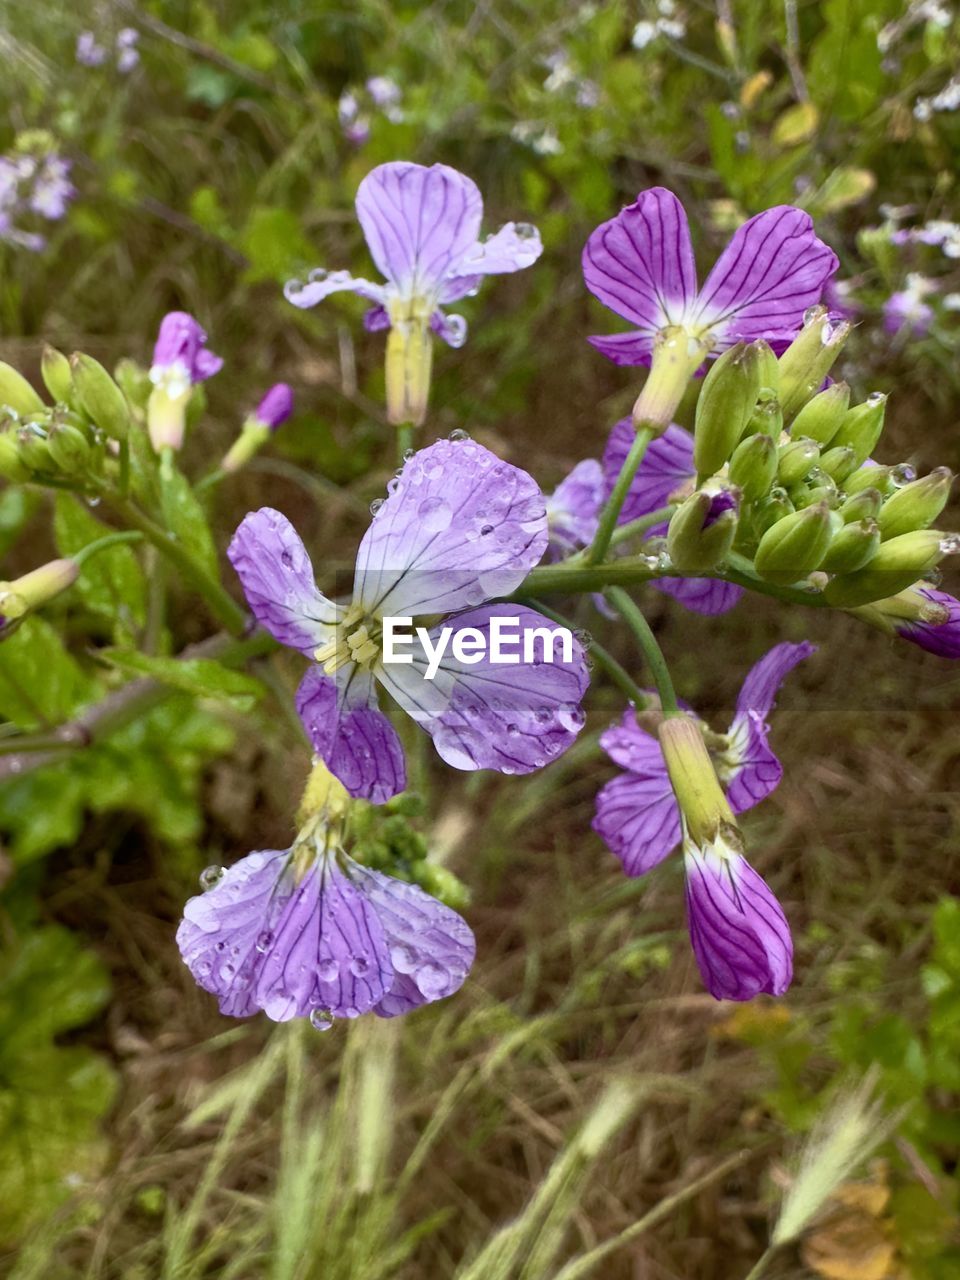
(403, 959)
(435, 514)
(571, 717)
(876, 397)
(376, 504)
(433, 980)
(455, 331)
(286, 559)
(525, 231)
(317, 275)
(359, 965)
(486, 530)
(950, 544)
(321, 1019)
(933, 577)
(408, 454)
(328, 970)
(210, 877)
(459, 435)
(263, 942)
(811, 314)
(93, 501)
(544, 715)
(903, 474)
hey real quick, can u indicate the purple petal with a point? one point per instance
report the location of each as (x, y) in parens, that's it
(764, 679)
(636, 815)
(514, 718)
(512, 248)
(351, 734)
(941, 638)
(431, 947)
(376, 320)
(640, 263)
(631, 747)
(321, 284)
(740, 936)
(277, 579)
(631, 348)
(667, 467)
(772, 270)
(459, 527)
(181, 341)
(573, 509)
(708, 596)
(276, 406)
(419, 223)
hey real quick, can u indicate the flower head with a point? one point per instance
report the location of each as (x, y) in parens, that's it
(90, 52)
(906, 312)
(180, 360)
(275, 407)
(458, 528)
(128, 55)
(573, 509)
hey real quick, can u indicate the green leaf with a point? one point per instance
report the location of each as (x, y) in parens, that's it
(203, 677)
(40, 683)
(274, 243)
(111, 584)
(186, 520)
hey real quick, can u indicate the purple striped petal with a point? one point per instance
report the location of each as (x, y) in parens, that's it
(277, 579)
(631, 348)
(431, 947)
(458, 528)
(941, 638)
(740, 936)
(573, 509)
(420, 223)
(636, 813)
(708, 596)
(181, 343)
(515, 246)
(772, 270)
(512, 718)
(667, 467)
(321, 284)
(351, 734)
(640, 263)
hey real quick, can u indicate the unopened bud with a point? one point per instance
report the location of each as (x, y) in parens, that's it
(768, 370)
(134, 381)
(809, 358)
(11, 465)
(773, 509)
(869, 477)
(825, 491)
(796, 460)
(753, 466)
(864, 505)
(839, 462)
(56, 374)
(862, 426)
(37, 587)
(896, 566)
(914, 605)
(69, 448)
(33, 450)
(101, 398)
(767, 416)
(853, 546)
(17, 394)
(795, 545)
(726, 401)
(702, 530)
(916, 505)
(820, 418)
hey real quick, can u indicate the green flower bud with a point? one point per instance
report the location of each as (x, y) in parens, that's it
(839, 462)
(853, 546)
(32, 448)
(878, 478)
(862, 426)
(916, 505)
(69, 448)
(706, 811)
(809, 358)
(767, 416)
(441, 884)
(896, 566)
(796, 460)
(17, 394)
(767, 514)
(820, 418)
(37, 587)
(753, 466)
(768, 370)
(825, 491)
(864, 505)
(911, 605)
(702, 530)
(726, 401)
(11, 466)
(101, 398)
(134, 381)
(56, 374)
(793, 547)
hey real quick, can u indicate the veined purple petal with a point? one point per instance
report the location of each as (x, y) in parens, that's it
(431, 947)
(515, 246)
(941, 638)
(772, 270)
(459, 527)
(636, 813)
(633, 348)
(513, 718)
(277, 579)
(573, 509)
(351, 734)
(420, 223)
(667, 467)
(376, 320)
(708, 596)
(759, 690)
(740, 936)
(640, 263)
(182, 343)
(631, 747)
(321, 284)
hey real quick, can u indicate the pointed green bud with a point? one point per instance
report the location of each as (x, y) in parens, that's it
(820, 418)
(809, 358)
(862, 426)
(839, 462)
(825, 491)
(767, 416)
(879, 478)
(896, 566)
(912, 605)
(134, 381)
(56, 374)
(37, 587)
(864, 505)
(101, 398)
(916, 505)
(853, 546)
(726, 401)
(17, 394)
(793, 547)
(796, 460)
(11, 466)
(768, 370)
(702, 530)
(767, 513)
(32, 448)
(69, 448)
(753, 466)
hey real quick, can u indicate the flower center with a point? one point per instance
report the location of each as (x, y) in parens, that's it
(356, 639)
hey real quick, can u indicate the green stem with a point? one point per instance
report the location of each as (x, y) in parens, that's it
(614, 504)
(641, 524)
(760, 1265)
(405, 433)
(611, 666)
(103, 544)
(649, 647)
(124, 467)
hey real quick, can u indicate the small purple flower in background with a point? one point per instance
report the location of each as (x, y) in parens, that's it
(52, 189)
(458, 528)
(355, 126)
(665, 475)
(386, 95)
(573, 509)
(32, 186)
(906, 312)
(90, 53)
(309, 932)
(640, 264)
(275, 407)
(639, 819)
(839, 300)
(128, 56)
(180, 360)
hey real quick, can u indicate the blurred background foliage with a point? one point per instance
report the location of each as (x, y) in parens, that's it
(581, 1074)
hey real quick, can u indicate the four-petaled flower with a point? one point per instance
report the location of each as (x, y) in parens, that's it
(458, 528)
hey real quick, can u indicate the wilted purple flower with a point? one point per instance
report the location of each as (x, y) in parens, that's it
(309, 932)
(640, 264)
(905, 311)
(275, 407)
(573, 509)
(180, 356)
(665, 475)
(458, 528)
(90, 53)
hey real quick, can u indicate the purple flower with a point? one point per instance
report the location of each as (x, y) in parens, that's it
(384, 92)
(939, 631)
(666, 474)
(308, 932)
(180, 357)
(275, 407)
(127, 54)
(52, 189)
(90, 53)
(905, 311)
(640, 264)
(422, 226)
(458, 528)
(573, 509)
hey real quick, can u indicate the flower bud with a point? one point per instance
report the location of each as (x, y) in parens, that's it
(820, 418)
(56, 374)
(134, 381)
(32, 448)
(17, 394)
(767, 416)
(767, 513)
(275, 406)
(916, 505)
(273, 410)
(897, 565)
(864, 505)
(853, 546)
(101, 398)
(796, 460)
(922, 615)
(726, 401)
(768, 370)
(826, 491)
(809, 358)
(869, 477)
(702, 530)
(839, 462)
(862, 426)
(753, 466)
(11, 466)
(693, 778)
(69, 448)
(36, 588)
(795, 545)
(677, 356)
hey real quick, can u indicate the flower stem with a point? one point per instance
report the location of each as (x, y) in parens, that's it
(614, 504)
(649, 647)
(642, 524)
(92, 549)
(404, 440)
(611, 666)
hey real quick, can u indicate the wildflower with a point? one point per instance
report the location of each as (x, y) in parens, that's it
(458, 528)
(573, 509)
(32, 185)
(180, 360)
(128, 55)
(422, 226)
(923, 615)
(906, 312)
(665, 475)
(669, 794)
(90, 53)
(274, 409)
(386, 95)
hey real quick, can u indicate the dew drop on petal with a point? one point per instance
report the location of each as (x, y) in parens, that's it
(328, 970)
(435, 515)
(525, 231)
(210, 876)
(433, 980)
(317, 275)
(359, 965)
(403, 959)
(321, 1019)
(376, 504)
(263, 942)
(571, 717)
(459, 435)
(950, 544)
(876, 397)
(903, 474)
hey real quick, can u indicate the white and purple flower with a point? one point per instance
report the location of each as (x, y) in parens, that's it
(180, 360)
(905, 311)
(458, 529)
